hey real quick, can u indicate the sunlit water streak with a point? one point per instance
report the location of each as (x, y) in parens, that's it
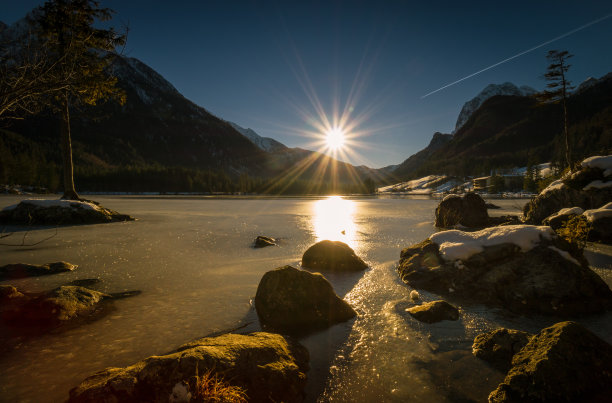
(192, 259)
(334, 220)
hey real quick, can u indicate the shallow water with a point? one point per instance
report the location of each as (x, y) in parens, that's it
(193, 261)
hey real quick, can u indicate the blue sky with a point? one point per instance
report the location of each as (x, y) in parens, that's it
(278, 66)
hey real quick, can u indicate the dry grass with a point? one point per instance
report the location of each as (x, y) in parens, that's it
(212, 388)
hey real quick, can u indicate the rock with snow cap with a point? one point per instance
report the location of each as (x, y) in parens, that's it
(59, 212)
(523, 268)
(590, 187)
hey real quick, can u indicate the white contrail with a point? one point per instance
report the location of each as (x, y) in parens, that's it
(522, 53)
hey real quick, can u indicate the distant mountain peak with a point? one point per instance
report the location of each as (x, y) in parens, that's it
(264, 143)
(489, 91)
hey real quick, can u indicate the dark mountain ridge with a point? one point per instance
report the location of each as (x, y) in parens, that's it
(509, 131)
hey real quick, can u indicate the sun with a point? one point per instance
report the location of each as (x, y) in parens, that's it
(335, 138)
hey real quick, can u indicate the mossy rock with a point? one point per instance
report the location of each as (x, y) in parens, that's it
(270, 367)
(563, 363)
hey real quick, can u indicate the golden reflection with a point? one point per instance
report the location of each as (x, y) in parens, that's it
(334, 220)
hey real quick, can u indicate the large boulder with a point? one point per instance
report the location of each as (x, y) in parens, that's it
(59, 212)
(296, 301)
(589, 187)
(469, 210)
(332, 256)
(20, 270)
(269, 367)
(434, 311)
(498, 346)
(522, 268)
(563, 363)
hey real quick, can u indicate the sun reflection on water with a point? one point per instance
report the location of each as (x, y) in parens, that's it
(333, 219)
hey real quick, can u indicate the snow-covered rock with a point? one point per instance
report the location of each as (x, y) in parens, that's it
(525, 269)
(489, 91)
(596, 214)
(460, 245)
(59, 212)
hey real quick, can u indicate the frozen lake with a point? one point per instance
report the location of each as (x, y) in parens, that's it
(192, 259)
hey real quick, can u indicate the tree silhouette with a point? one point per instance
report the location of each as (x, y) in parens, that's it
(558, 88)
(81, 55)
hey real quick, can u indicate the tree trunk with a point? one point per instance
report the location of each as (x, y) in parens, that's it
(69, 191)
(568, 156)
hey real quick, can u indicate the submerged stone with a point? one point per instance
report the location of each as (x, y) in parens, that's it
(263, 241)
(21, 270)
(434, 311)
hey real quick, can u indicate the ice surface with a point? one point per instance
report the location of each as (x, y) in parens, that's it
(192, 258)
(459, 245)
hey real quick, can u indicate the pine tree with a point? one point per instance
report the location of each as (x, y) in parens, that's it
(81, 56)
(558, 88)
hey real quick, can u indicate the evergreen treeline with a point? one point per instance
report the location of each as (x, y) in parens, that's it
(24, 162)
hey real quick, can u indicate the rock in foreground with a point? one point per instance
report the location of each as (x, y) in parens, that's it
(59, 212)
(469, 210)
(522, 268)
(270, 367)
(434, 311)
(21, 270)
(497, 347)
(563, 363)
(332, 256)
(297, 301)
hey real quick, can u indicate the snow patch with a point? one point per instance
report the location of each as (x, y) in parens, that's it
(44, 203)
(598, 185)
(596, 214)
(602, 162)
(558, 184)
(419, 186)
(566, 211)
(459, 245)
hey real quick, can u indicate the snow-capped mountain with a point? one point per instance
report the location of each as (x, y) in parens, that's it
(264, 143)
(489, 91)
(592, 81)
